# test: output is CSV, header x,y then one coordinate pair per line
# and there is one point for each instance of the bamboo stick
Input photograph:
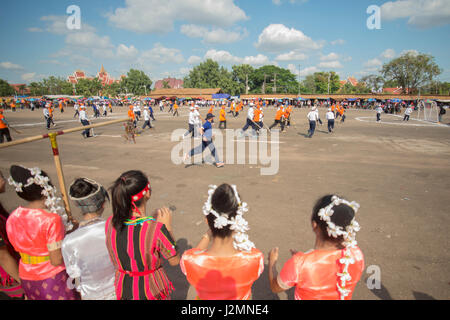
x,y
45,136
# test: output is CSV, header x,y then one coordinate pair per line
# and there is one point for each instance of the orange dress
x,y
222,278
314,274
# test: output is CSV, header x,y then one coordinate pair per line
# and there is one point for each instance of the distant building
x,y
351,80
398,90
21,88
102,75
171,82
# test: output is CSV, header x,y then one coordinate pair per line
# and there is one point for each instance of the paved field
x,y
398,172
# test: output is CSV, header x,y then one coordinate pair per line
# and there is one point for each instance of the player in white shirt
x,y
379,110
76,108
408,112
147,121
47,116
313,117
249,120
330,118
84,121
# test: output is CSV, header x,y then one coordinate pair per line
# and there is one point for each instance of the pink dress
x,y
35,232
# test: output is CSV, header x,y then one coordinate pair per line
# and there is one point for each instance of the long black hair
x,y
127,185
30,193
223,201
342,217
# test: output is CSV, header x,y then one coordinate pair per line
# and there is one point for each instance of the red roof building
x,y
102,75
172,83
21,88
351,80
395,90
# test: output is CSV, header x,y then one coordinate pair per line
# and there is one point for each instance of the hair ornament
x,y
349,235
52,202
237,223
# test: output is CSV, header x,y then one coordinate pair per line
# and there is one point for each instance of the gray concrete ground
x,y
398,172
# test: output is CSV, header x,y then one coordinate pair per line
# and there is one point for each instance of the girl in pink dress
x,y
37,235
332,270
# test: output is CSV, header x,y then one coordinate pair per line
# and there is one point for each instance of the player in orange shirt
x,y
4,130
279,118
50,111
175,109
257,118
223,118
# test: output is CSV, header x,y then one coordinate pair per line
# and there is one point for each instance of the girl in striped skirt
x,y
137,242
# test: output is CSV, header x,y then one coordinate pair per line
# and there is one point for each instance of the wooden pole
x,y
40,137
59,170
60,173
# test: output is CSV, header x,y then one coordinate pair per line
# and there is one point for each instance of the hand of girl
x,y
164,216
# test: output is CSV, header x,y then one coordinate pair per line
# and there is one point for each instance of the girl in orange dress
x,y
332,270
225,263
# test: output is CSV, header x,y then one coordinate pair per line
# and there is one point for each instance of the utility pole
x,y
329,75
275,84
246,84
298,80
264,85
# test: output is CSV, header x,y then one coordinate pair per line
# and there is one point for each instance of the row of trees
x,y
413,72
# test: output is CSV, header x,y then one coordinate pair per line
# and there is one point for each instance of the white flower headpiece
x,y
237,223
349,235
52,202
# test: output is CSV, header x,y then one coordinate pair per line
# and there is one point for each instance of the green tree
x,y
165,85
88,88
137,82
209,74
373,82
242,75
272,79
205,75
411,71
5,89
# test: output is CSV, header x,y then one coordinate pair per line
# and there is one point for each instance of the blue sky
x,y
169,37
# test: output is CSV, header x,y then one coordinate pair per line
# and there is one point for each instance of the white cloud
x,y
330,65
225,57
410,51
330,57
373,63
160,55
278,38
338,42
303,72
127,53
194,60
28,76
10,66
388,54
291,56
155,16
420,13
215,35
